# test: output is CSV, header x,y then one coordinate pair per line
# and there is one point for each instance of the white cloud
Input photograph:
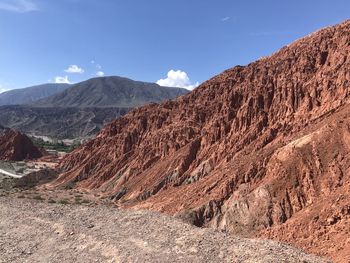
x,y
98,66
224,19
177,79
2,89
18,6
64,79
100,73
74,69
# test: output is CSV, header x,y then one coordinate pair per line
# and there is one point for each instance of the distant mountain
x,y
82,109
110,92
30,94
58,122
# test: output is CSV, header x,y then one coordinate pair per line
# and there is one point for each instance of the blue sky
x,y
60,40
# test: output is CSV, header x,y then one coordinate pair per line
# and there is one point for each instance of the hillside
x,y
111,92
30,94
15,146
58,122
254,148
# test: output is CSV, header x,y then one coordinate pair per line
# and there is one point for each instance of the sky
x,y
174,43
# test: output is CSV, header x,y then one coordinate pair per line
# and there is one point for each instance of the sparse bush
x,y
38,197
63,201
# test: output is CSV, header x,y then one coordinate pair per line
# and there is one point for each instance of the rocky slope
x,y
30,94
15,146
110,92
254,148
75,233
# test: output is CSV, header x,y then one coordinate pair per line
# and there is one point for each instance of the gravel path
x,y
34,231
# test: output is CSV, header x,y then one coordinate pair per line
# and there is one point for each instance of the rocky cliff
x,y
15,146
249,151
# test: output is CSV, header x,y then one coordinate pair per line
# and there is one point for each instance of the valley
x,y
252,165
58,123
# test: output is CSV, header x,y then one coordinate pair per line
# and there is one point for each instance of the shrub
x,y
38,197
63,201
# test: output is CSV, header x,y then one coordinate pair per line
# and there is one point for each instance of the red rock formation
x,y
247,150
15,146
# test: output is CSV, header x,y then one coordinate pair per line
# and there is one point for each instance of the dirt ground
x,y
37,231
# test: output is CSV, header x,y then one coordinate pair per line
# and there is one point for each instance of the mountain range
x,y
110,92
30,94
258,150
79,110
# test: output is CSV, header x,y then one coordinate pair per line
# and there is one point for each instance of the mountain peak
x,y
112,91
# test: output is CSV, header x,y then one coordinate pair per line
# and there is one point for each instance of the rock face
x,y
15,146
256,150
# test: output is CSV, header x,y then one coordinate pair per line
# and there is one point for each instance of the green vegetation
x,y
63,201
80,201
38,197
56,145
